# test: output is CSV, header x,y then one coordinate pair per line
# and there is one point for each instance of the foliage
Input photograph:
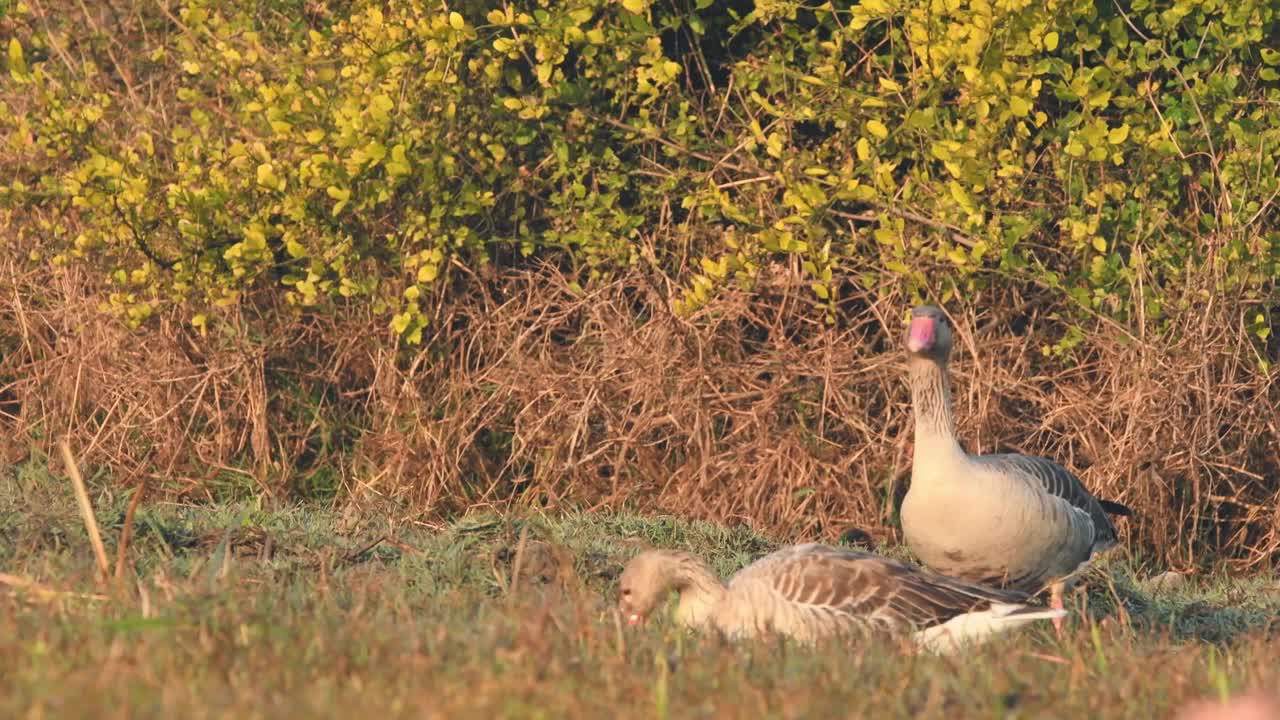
x,y
365,152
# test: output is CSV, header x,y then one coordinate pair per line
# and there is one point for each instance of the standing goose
x,y
811,591
1009,520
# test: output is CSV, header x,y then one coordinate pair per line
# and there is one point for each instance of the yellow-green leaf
x,y
878,129
635,6
863,149
1099,99
267,177
1099,244
1019,106
1118,135
398,164
342,195
456,22
17,63
1051,41
374,152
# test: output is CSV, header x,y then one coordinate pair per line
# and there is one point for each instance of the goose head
x,y
929,335
644,584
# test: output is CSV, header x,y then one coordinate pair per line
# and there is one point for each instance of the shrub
x,y
356,156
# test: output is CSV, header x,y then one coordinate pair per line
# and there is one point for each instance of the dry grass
x,y
536,393
235,611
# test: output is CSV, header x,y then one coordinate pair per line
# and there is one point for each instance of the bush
x,y
357,155
248,169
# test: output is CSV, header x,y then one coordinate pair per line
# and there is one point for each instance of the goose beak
x,y
920,334
634,619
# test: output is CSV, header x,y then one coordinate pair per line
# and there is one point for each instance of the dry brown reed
x,y
754,410
86,510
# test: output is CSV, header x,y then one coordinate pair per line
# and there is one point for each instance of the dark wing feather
x,y
1111,507
1060,482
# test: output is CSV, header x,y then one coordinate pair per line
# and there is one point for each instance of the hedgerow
x,y
361,152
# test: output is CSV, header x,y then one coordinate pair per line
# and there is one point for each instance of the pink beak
x,y
920,335
634,619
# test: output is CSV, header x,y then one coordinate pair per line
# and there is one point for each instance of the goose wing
x,y
1061,483
868,589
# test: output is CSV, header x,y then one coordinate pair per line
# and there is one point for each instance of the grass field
x,y
240,611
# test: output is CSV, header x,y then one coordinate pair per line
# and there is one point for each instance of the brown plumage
x,y
811,591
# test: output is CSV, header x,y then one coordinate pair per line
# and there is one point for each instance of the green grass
x,y
240,611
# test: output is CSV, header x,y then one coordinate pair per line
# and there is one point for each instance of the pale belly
x,y
990,542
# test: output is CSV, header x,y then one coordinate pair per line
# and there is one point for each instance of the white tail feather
x,y
977,627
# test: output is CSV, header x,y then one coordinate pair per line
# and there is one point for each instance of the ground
x,y
238,610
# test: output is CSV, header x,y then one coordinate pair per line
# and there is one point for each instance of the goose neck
x,y
700,591
931,402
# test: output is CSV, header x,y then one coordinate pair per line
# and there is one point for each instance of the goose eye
x,y
626,592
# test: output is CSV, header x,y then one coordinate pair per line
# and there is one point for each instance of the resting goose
x,y
1009,520
811,591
